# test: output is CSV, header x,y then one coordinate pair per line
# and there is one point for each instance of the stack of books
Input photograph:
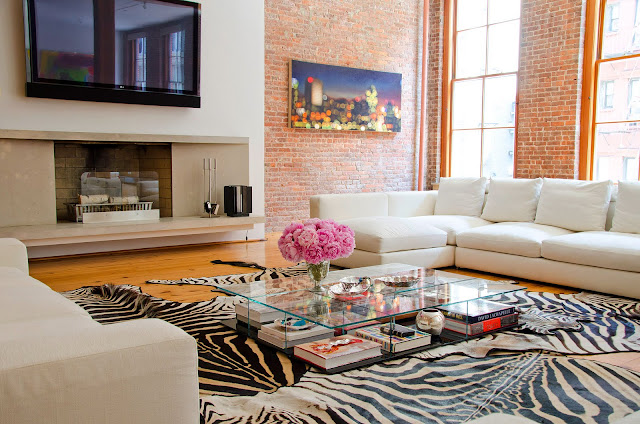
x,y
477,317
257,315
335,352
275,335
398,339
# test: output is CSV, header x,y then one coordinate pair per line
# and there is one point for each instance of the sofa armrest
x,y
131,372
349,205
13,253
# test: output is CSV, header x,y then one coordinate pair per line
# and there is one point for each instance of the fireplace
x,y
100,176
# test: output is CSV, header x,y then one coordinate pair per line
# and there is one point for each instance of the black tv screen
x,y
129,51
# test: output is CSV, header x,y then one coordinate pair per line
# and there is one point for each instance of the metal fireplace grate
x,y
77,210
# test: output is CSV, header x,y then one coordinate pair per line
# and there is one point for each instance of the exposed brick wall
x,y
549,88
372,34
434,91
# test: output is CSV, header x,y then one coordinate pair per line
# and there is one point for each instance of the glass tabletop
x,y
418,288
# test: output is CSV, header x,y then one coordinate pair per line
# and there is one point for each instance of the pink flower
x,y
292,227
312,221
347,244
332,250
291,252
285,238
307,237
313,254
296,233
324,237
316,240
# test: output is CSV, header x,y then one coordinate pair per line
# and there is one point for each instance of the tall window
x,y
480,132
176,60
616,120
140,62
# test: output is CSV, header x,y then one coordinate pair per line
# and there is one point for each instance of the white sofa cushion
x,y
45,327
451,224
390,234
460,196
34,302
603,249
412,203
346,206
512,200
515,238
627,216
573,204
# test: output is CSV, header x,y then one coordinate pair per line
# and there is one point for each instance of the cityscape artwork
x,y
327,97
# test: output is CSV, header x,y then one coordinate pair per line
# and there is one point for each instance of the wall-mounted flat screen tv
x,y
122,51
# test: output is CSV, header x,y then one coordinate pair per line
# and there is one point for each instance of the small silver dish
x,y
350,286
399,281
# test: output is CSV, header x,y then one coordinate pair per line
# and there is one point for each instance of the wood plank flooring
x,y
136,267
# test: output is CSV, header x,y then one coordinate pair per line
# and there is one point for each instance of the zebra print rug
x,y
267,273
543,387
242,381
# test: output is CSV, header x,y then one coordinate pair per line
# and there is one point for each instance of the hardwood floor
x,y
136,267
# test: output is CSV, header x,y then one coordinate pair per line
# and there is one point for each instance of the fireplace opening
x,y
111,177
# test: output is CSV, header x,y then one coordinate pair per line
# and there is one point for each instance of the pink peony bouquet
x,y
316,240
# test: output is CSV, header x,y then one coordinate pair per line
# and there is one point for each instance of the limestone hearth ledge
x,y
69,233
118,137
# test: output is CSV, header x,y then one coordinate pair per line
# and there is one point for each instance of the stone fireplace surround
x,y
29,209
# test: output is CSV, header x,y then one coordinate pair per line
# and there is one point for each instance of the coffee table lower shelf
x,y
446,338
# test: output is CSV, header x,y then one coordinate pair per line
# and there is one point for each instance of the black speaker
x,y
237,200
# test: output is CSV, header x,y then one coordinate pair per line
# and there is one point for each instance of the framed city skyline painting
x,y
327,97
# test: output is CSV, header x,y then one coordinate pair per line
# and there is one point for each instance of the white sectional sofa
x,y
575,233
57,365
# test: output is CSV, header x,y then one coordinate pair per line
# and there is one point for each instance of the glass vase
x,y
317,273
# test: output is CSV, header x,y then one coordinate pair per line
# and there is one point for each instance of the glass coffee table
x,y
397,292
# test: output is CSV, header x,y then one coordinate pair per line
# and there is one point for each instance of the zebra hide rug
x,y
242,381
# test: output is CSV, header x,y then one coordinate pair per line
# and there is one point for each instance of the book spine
x,y
367,336
484,326
478,318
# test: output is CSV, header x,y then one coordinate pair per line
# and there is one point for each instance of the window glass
x,y
500,101
621,32
471,53
634,99
467,104
503,10
504,46
471,14
616,151
497,153
465,153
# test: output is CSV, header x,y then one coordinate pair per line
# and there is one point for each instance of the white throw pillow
x,y
626,218
573,204
460,196
512,200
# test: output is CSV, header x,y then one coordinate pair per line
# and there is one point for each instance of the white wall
x,y
231,86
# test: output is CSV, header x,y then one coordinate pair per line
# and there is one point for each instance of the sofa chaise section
x,y
388,228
